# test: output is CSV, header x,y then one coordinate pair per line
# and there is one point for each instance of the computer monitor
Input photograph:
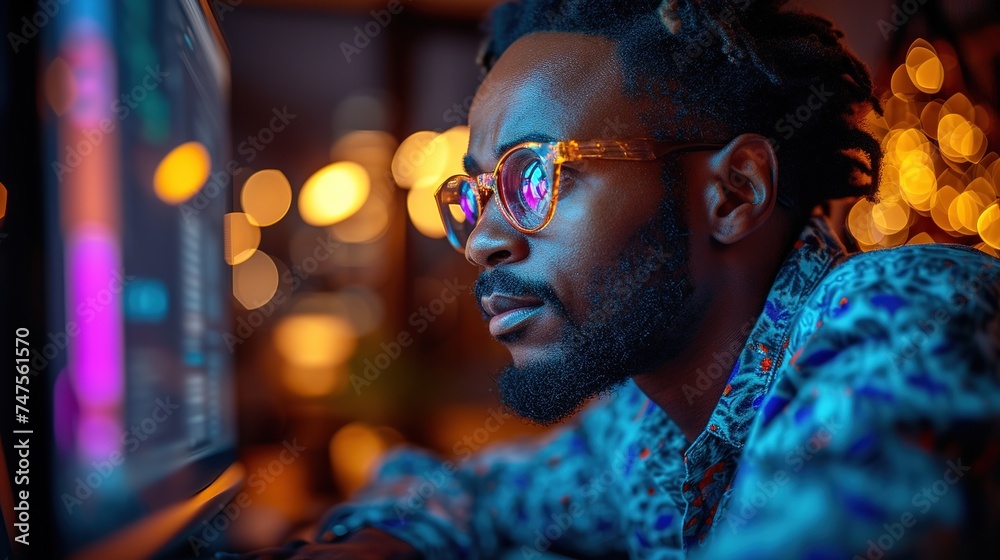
x,y
133,104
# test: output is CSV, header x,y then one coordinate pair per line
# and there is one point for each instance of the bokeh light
x,y
938,175
255,281
3,201
368,224
422,208
373,149
266,197
182,173
334,193
241,236
313,382
988,226
418,158
354,451
361,306
315,340
924,69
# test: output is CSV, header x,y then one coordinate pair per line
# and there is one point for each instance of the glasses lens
x,y
459,209
526,187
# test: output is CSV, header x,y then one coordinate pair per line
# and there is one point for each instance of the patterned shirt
x,y
860,420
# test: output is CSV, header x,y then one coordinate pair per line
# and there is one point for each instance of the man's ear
x,y
743,188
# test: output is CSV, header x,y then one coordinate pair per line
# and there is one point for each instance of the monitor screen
x,y
136,136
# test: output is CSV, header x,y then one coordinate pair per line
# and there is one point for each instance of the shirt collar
x,y
816,250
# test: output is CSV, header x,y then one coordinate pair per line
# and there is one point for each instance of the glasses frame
x,y
552,155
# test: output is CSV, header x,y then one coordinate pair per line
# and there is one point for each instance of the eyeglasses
x,y
526,182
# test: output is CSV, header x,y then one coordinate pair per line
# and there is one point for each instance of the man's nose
x,y
494,241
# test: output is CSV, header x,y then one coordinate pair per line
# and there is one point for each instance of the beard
x,y
640,315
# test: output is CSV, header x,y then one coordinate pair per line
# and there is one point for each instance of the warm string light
x,y
938,173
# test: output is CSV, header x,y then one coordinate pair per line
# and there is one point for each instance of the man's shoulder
x,y
915,279
920,304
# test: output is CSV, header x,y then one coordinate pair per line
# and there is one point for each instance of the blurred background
x,y
351,327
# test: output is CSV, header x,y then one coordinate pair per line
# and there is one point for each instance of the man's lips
x,y
508,313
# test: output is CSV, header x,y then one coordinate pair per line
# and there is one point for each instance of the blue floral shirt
x,y
861,420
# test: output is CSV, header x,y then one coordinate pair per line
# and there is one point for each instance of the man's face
x,y
602,292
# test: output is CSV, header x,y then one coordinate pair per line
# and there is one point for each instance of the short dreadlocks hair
x,y
730,67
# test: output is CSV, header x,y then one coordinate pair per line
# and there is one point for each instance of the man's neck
x,y
688,386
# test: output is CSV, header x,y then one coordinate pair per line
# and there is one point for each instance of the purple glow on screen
x,y
95,284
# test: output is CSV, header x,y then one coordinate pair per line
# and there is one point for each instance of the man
x,y
761,394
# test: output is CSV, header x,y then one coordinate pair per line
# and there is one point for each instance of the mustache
x,y
503,281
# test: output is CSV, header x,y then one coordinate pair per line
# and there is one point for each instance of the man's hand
x,y
366,544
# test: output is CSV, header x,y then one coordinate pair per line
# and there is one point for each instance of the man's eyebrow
x,y
472,167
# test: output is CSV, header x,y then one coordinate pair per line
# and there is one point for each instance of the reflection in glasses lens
x,y
467,201
534,187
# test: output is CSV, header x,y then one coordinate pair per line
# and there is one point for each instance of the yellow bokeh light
x,y
315,340
860,224
266,197
182,173
901,83
920,239
368,224
334,193
308,382
241,236
354,451
964,212
424,214
930,117
895,239
255,281
940,205
959,104
418,157
900,112
960,140
370,148
890,218
983,188
988,226
917,182
924,69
